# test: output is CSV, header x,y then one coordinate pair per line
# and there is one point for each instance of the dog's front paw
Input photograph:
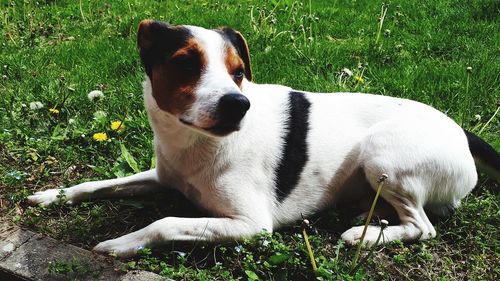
x,y
46,197
119,247
353,235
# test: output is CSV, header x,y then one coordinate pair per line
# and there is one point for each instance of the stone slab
x,y
11,240
25,255
140,275
34,258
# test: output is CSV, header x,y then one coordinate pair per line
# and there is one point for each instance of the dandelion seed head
x,y
347,71
95,95
384,223
36,105
99,114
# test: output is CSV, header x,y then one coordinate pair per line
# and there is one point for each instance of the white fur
x,y
424,153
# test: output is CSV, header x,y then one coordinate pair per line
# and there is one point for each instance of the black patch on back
x,y
295,154
482,150
165,41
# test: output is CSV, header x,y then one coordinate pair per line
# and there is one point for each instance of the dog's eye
x,y
238,75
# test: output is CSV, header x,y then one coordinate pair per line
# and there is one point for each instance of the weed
x,y
381,182
73,270
381,19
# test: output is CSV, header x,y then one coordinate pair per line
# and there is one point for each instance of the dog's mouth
x,y
220,129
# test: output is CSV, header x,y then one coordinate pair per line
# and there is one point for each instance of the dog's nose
x,y
232,107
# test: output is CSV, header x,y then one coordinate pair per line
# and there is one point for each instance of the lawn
x,y
53,53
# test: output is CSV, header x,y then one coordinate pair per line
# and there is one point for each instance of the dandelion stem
x,y
369,253
81,12
467,84
65,97
464,113
381,181
122,120
308,246
360,79
489,121
383,12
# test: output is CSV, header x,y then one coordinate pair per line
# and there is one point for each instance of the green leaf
x,y
129,158
99,170
251,275
278,258
58,134
132,264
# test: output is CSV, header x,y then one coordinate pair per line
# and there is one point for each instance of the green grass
x,y
56,52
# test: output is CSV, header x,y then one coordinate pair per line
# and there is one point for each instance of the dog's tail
x,y
485,156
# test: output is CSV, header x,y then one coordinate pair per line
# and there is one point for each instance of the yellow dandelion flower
x,y
117,126
359,79
54,110
100,137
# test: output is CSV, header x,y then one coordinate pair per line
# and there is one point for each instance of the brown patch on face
x,y
239,43
234,65
173,82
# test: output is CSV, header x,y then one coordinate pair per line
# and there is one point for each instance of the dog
x,y
257,157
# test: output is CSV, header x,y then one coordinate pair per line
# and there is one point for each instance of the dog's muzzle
x,y
230,111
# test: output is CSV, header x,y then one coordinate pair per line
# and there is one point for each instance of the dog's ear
x,y
157,40
240,44
146,33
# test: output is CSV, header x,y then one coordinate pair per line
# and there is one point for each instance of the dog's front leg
x,y
183,229
140,183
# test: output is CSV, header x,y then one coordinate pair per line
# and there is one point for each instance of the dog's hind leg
x,y
137,184
419,170
427,161
414,224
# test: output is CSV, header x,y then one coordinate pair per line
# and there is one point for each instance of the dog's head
x,y
197,74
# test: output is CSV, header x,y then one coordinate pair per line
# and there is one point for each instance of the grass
x,y
56,52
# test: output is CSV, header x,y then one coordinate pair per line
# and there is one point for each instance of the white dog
x,y
259,156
